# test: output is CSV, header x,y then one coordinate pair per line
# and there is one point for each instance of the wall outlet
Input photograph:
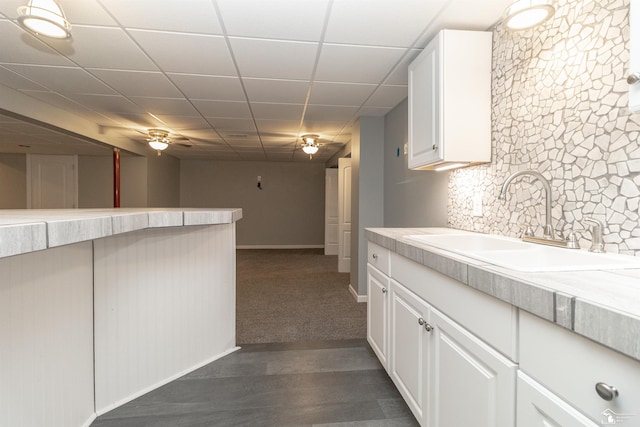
x,y
477,205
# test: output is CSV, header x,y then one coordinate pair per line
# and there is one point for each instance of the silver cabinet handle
x,y
427,327
384,290
374,256
606,391
633,78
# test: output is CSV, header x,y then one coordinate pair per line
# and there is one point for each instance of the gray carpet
x,y
294,295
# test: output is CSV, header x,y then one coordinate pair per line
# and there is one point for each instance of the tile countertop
x,y
603,306
28,230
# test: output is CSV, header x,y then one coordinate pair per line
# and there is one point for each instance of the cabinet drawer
x,y
570,366
491,320
378,257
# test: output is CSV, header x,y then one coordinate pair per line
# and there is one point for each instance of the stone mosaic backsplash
x,y
559,96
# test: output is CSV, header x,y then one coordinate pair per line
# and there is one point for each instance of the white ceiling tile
x,y
103,47
328,113
242,125
231,109
282,19
209,87
86,12
277,111
186,53
356,64
400,74
183,123
466,15
388,96
268,127
381,22
138,83
165,106
190,16
16,81
20,47
274,59
107,103
62,79
281,91
324,93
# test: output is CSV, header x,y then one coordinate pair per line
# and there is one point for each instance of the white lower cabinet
x,y
447,376
538,407
377,313
471,384
409,347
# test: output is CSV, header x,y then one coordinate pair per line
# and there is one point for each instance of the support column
x,y
116,178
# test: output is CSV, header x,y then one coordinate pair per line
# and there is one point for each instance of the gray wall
x,y
412,198
367,195
288,211
133,182
163,181
13,181
95,181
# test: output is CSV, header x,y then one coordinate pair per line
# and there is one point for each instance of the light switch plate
x,y
477,205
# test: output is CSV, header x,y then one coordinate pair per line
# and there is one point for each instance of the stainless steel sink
x,y
516,255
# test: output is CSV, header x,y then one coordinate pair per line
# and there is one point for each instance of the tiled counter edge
x,y
604,324
24,231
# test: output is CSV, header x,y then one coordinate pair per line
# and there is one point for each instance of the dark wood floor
x,y
333,383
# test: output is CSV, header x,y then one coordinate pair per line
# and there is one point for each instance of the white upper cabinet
x,y
450,101
634,58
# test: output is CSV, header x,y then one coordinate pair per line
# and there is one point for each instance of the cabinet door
x,y
538,407
408,354
471,384
424,107
377,313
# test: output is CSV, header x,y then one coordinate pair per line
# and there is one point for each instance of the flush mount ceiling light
x,y
158,140
46,18
523,14
310,144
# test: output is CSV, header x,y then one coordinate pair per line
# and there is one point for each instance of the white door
x,y
377,313
408,349
344,215
471,384
331,212
52,181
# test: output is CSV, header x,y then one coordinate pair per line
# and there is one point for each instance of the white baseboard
x,y
279,246
358,298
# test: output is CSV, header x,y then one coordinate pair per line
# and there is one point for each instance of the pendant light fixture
x,y
45,18
310,144
158,140
523,14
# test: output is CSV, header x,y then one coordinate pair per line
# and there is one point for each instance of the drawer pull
x,y
606,391
374,256
384,290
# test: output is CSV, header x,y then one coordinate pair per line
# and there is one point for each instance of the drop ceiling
x,y
229,79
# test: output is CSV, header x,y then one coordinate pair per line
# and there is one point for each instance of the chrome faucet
x,y
548,228
597,238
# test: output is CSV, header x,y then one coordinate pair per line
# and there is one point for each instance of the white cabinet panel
x,y
378,313
538,407
164,305
46,338
408,354
471,383
450,101
570,366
